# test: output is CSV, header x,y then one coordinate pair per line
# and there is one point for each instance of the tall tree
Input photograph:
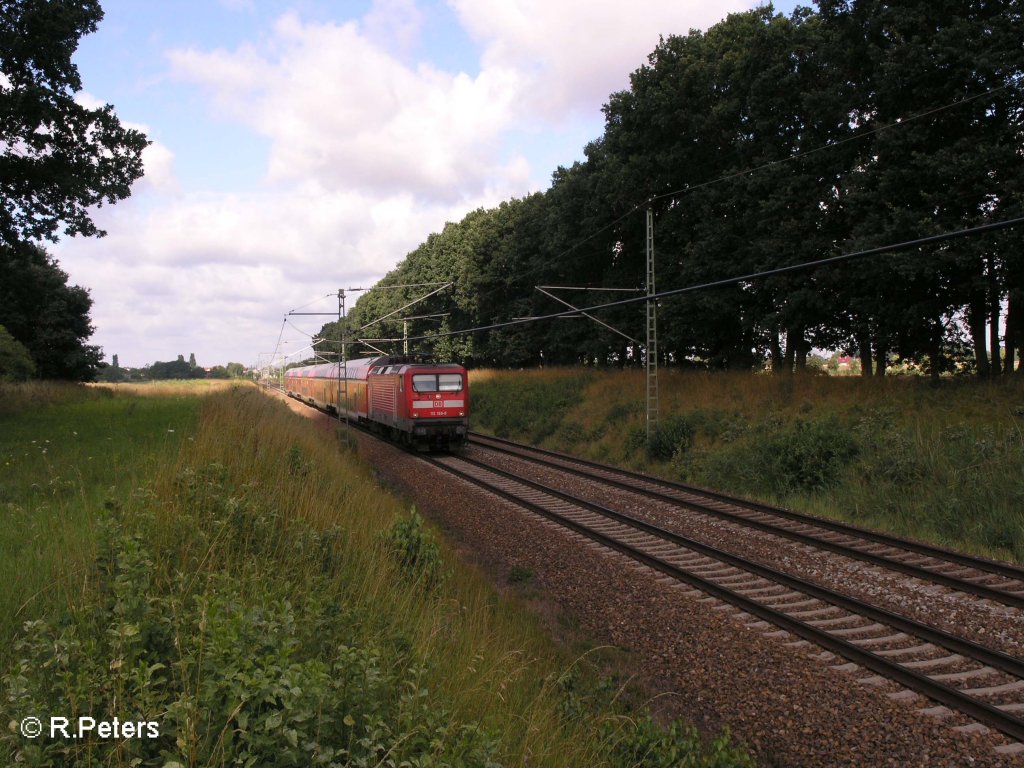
x,y
15,361
59,157
708,128
48,316
940,83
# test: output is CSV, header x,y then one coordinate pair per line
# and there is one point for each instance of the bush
x,y
671,436
810,455
415,549
236,674
806,455
530,407
16,362
646,743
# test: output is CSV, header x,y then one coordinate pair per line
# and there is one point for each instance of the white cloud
x,y
394,25
340,109
87,100
221,269
577,53
158,162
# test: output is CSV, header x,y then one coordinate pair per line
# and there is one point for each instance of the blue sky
x,y
302,146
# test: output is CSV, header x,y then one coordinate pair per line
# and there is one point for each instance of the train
x,y
420,404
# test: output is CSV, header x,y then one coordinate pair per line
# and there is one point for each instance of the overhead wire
x,y
314,301
801,155
899,122
304,333
892,248
280,335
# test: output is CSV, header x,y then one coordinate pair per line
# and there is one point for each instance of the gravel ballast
x,y
695,657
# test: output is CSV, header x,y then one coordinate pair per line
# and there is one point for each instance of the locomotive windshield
x,y
437,382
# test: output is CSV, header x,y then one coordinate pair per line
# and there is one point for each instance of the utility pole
x,y
652,333
405,327
344,357
342,388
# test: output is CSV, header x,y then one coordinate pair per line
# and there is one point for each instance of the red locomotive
x,y
414,403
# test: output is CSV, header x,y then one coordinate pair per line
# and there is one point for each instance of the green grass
x,y
66,451
944,464
530,404
244,583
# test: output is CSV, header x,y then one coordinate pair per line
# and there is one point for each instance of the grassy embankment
x,y
943,464
218,567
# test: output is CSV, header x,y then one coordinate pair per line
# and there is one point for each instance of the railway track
x,y
992,580
951,672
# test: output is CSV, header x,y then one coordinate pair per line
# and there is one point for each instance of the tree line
x,y
58,159
171,369
763,142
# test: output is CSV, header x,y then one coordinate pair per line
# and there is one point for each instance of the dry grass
x,y
491,663
945,463
172,387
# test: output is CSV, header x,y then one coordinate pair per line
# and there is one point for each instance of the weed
x,y
228,677
620,412
531,407
672,435
346,439
644,742
415,549
519,574
297,465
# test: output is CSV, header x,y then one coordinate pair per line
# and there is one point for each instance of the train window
x,y
424,382
449,382
433,382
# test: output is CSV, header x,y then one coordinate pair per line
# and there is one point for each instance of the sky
x,y
302,146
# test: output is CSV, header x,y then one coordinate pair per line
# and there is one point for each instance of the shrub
x,y
645,743
236,674
806,455
529,407
809,455
415,549
670,436
519,574
16,362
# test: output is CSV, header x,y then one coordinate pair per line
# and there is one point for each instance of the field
x,y
203,562
942,463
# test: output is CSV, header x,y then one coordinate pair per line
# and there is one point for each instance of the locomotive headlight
x,y
415,415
